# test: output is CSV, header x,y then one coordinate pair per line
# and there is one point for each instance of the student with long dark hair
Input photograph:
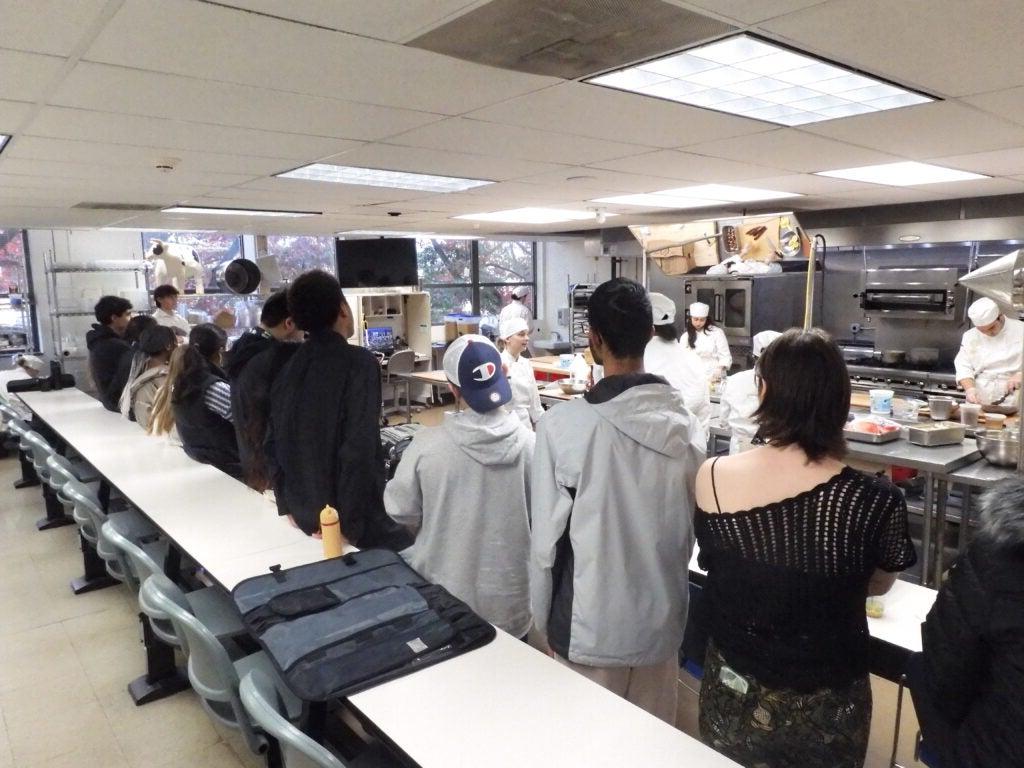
x,y
198,401
148,372
708,341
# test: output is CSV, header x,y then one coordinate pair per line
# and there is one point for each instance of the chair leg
x,y
899,717
56,515
29,477
95,574
162,678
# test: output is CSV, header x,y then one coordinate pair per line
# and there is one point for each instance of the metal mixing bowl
x,y
998,447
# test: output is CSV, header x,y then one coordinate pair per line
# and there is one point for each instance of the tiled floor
x,y
65,661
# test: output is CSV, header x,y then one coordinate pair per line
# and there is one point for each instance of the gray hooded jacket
x,y
613,485
465,486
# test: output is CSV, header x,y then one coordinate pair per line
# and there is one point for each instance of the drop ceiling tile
x,y
12,114
914,41
26,76
395,20
1000,162
793,151
927,130
753,11
1008,104
29,217
975,187
106,88
168,134
459,134
589,110
600,180
891,195
103,173
302,191
806,184
685,165
209,38
47,26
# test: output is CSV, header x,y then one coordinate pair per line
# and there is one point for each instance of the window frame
x,y
475,285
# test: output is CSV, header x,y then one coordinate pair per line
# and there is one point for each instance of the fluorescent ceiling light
x,y
374,177
906,174
740,73
238,211
700,196
4,138
152,229
533,216
657,200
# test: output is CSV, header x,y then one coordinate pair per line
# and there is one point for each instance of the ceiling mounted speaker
x,y
1002,281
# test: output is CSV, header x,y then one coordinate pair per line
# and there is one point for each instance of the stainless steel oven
x,y
744,306
912,294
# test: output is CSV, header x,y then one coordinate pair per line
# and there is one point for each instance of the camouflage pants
x,y
780,728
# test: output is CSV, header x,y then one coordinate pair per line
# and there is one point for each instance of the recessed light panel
x,y
905,174
532,216
700,196
747,76
658,200
238,212
4,138
374,177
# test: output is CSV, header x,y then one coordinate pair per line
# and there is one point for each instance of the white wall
x,y
560,263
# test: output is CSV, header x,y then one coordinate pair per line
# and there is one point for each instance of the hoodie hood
x,y
492,439
646,409
249,344
97,334
148,375
1002,513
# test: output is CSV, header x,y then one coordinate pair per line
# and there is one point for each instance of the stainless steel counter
x,y
939,460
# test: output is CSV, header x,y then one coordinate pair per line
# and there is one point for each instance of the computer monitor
x,y
380,339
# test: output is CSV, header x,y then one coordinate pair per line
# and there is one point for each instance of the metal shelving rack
x,y
578,296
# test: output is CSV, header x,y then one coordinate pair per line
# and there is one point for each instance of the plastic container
x,y
874,607
579,371
969,413
906,408
881,401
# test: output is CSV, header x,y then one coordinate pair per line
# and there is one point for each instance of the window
x,y
474,276
213,249
296,254
16,325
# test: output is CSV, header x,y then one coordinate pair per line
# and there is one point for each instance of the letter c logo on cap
x,y
485,371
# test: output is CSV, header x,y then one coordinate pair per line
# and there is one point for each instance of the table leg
x,y
408,401
965,518
926,531
940,530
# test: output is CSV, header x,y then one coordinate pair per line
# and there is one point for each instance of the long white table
x,y
504,704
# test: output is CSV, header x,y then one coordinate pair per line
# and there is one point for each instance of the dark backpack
x,y
395,440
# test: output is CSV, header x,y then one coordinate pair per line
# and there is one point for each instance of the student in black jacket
x,y
967,685
106,346
324,441
253,363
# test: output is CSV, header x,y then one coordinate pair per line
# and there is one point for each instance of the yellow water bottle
x,y
330,532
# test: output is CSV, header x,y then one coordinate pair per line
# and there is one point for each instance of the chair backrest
x,y
210,670
7,412
60,474
136,562
263,703
17,427
402,362
40,451
84,506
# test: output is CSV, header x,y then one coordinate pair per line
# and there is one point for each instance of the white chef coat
x,y
171,320
516,309
982,356
681,367
713,349
525,402
739,401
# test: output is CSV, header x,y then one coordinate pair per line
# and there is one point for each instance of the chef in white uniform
x,y
741,398
525,402
709,342
989,352
676,363
516,307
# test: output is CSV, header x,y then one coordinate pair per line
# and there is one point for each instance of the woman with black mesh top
x,y
794,542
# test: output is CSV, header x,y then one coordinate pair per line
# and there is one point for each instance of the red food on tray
x,y
872,427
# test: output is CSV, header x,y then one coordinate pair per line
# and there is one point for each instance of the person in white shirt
x,y
166,299
516,307
676,363
708,341
525,404
989,351
741,397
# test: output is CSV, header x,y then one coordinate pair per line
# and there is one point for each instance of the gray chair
x,y
39,451
214,676
400,363
265,704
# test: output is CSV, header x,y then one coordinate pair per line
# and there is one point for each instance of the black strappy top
x,y
787,581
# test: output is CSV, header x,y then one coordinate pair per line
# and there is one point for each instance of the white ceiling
x,y
97,92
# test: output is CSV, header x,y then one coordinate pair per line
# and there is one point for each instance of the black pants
x,y
938,731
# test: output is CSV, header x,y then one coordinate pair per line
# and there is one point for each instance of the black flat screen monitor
x,y
378,263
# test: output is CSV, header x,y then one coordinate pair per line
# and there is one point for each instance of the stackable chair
x,y
922,753
400,362
17,428
40,451
267,706
214,675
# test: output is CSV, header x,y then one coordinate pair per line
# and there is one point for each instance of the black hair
x,y
204,342
667,331
620,313
315,300
137,326
157,340
109,306
163,292
275,310
806,394
691,332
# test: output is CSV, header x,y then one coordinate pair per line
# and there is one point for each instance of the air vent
x,y
569,38
116,207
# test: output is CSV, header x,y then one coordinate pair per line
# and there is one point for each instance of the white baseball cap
x,y
663,309
763,340
699,309
511,326
473,364
983,312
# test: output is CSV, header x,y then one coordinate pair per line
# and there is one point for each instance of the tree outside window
x,y
296,254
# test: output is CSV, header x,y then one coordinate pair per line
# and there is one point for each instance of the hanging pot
x,y
241,276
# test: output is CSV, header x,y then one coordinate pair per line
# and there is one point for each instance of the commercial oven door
x,y
735,319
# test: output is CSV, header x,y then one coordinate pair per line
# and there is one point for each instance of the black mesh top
x,y
787,581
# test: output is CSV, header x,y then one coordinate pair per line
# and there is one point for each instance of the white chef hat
x,y
699,309
763,340
520,292
511,326
663,309
983,312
